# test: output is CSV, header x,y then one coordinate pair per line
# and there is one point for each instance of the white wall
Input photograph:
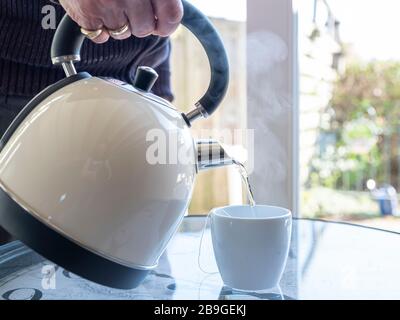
x,y
272,100
272,87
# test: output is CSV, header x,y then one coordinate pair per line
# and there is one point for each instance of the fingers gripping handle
x,y
68,41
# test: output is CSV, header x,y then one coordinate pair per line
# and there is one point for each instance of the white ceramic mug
x,y
251,245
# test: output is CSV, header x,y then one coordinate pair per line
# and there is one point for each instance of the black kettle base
x,y
64,252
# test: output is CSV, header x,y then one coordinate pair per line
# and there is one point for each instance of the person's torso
x,y
26,34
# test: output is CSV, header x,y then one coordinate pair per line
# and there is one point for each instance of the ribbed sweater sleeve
x,y
25,64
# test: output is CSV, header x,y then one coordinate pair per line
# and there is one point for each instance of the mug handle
x,y
68,40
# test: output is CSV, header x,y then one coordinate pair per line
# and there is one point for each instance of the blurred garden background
x,y
349,105
349,111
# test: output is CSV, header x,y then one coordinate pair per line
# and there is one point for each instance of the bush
x,y
364,121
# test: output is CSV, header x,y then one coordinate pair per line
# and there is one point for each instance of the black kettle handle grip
x,y
68,41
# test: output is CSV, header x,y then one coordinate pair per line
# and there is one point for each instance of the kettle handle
x,y
68,41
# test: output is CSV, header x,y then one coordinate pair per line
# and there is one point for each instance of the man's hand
x,y
144,17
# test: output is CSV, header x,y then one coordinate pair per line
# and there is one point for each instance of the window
x,y
191,74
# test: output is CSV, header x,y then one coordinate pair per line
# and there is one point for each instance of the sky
x,y
372,26
229,9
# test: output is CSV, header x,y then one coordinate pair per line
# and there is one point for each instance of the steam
x,y
267,55
269,103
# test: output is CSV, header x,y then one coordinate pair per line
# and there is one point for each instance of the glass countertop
x,y
327,260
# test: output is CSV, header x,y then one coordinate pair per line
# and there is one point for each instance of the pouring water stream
x,y
245,178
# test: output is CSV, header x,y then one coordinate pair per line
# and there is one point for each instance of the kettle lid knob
x,y
145,78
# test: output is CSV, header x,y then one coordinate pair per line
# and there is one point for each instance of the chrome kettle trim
x,y
211,155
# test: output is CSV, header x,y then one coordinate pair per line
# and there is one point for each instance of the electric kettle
x,y
77,183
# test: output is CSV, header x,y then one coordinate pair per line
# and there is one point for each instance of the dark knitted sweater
x,y
25,64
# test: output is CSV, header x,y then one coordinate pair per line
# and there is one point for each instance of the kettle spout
x,y
211,155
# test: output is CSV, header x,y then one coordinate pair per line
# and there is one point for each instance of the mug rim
x,y
285,212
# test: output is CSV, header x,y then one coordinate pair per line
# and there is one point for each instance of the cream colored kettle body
x,y
80,179
80,167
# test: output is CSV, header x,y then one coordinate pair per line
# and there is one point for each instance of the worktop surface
x,y
327,260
